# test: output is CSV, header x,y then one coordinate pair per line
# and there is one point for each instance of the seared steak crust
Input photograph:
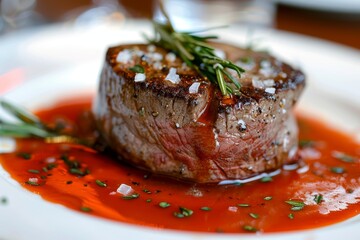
x,y
193,133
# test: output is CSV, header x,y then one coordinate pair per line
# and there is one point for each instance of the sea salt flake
x,y
270,90
34,180
257,83
172,76
157,66
194,88
124,56
140,77
50,160
170,57
269,83
242,124
155,56
125,189
233,209
151,48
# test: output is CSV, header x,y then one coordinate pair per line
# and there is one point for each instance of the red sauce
x,y
266,209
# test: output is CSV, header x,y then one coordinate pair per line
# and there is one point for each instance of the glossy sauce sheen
x,y
223,212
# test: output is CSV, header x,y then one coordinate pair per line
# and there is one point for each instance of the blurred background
x,y
335,20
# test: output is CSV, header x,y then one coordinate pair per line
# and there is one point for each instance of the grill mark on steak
x,y
160,126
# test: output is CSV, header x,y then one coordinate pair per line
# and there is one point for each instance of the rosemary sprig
x,y
198,54
31,126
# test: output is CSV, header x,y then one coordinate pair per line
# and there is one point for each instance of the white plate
x,y
60,61
344,6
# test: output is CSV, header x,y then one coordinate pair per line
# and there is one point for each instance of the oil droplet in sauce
x,y
325,192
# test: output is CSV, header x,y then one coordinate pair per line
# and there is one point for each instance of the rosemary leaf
x,y
20,113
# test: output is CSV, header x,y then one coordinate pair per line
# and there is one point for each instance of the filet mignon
x,y
172,121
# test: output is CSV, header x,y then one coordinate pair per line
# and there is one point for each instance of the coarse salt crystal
x,y
270,90
124,189
140,77
151,48
194,88
172,76
242,124
139,53
257,83
265,64
233,209
269,83
50,160
157,66
124,56
170,57
155,56
34,180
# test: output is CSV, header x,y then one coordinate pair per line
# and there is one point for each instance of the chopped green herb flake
x,y
205,208
186,212
100,183
179,215
142,111
33,171
164,204
132,196
149,200
268,198
254,215
266,179
296,208
147,191
3,200
137,69
85,209
51,166
343,157
43,177
306,143
337,170
291,216
45,169
76,171
24,155
318,198
249,228
296,205
243,205
32,183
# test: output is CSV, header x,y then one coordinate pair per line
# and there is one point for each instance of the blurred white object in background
x,y
199,14
99,11
17,14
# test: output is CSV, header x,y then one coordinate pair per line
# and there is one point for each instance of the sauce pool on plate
x,y
325,191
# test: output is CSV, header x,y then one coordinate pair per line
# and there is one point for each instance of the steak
x,y
172,121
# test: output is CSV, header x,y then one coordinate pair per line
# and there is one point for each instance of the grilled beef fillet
x,y
178,124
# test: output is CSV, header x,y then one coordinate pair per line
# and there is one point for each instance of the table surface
x,y
337,27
